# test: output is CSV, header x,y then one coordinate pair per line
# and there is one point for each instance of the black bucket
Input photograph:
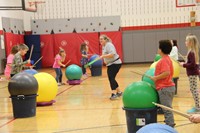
x,y
137,118
24,106
96,71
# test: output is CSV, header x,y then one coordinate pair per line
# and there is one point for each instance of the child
x,y
10,58
174,53
18,64
192,69
60,57
163,80
84,59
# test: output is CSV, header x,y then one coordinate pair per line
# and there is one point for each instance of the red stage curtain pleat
x,y
11,40
47,50
116,38
69,43
93,41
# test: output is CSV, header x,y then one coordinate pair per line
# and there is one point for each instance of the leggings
x,y
194,90
112,73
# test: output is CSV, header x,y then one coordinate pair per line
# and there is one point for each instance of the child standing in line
x,y
163,80
84,60
192,68
10,58
60,57
18,64
174,53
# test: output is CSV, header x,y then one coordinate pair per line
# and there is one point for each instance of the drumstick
x,y
90,63
170,109
37,61
31,52
181,56
175,60
68,62
139,73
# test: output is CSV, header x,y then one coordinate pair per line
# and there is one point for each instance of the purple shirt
x,y
191,67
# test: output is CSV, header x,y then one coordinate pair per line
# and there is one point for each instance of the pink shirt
x,y
9,62
165,64
57,58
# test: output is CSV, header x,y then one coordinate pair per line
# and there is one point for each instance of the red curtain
x,y
93,41
47,50
11,40
70,42
116,38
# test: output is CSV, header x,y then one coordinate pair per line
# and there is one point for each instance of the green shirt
x,y
18,63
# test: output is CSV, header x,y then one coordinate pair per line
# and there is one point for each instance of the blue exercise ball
x,y
73,72
31,71
156,128
97,63
32,62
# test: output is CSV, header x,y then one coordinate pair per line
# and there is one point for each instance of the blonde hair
x,y
61,51
194,47
23,47
106,38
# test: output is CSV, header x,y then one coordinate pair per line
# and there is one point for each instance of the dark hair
x,y
165,46
83,46
14,49
175,43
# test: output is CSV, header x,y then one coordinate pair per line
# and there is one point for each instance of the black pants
x,y
11,75
83,69
112,73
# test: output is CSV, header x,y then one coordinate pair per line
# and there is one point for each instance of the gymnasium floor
x,y
86,108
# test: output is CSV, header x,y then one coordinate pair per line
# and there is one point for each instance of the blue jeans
x,y
58,75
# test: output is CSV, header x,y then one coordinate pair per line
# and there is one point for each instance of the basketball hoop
x,y
30,5
198,2
35,3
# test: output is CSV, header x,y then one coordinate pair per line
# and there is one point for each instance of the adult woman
x,y
113,63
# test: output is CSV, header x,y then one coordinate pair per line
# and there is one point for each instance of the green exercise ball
x,y
139,95
145,77
157,57
73,72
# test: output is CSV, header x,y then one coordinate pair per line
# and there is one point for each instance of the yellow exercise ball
x,y
176,67
47,87
153,65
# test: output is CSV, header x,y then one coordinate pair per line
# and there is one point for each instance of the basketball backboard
x,y
29,5
187,3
